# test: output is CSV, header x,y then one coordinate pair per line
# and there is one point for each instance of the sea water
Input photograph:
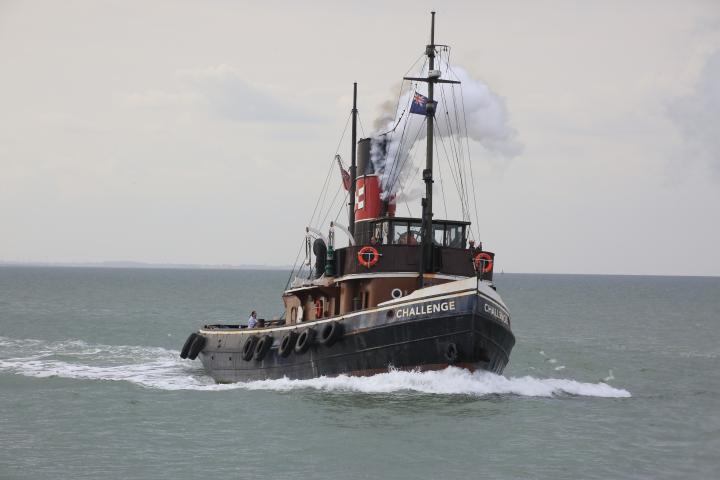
x,y
611,377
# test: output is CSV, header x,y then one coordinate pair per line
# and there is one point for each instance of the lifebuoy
x,y
483,261
368,256
330,333
396,293
318,308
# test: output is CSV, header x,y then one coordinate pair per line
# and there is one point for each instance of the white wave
x,y
152,367
451,381
159,368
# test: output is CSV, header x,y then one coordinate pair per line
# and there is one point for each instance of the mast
x,y
427,250
353,164
427,262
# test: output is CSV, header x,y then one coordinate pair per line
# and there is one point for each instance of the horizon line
x,y
201,266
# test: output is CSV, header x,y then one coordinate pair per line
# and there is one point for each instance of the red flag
x,y
344,173
346,178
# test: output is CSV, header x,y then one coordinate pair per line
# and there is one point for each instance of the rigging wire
x,y
394,175
327,177
408,156
448,68
361,124
325,190
467,142
468,159
397,105
461,160
442,187
344,203
456,156
472,175
317,203
457,182
392,172
330,206
456,150
297,257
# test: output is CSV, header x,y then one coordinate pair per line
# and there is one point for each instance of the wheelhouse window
x,y
415,235
400,234
438,234
406,231
455,236
381,233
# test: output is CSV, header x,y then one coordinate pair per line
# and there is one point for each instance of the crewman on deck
x,y
252,321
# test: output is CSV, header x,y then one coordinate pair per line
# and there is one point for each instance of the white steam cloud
x,y
470,110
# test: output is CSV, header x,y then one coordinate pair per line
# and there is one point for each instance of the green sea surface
x,y
611,377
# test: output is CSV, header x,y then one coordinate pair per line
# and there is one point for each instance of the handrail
x,y
344,229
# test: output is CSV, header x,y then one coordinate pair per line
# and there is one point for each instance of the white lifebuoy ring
x,y
396,293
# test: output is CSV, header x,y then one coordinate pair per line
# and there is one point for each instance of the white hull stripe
x,y
342,317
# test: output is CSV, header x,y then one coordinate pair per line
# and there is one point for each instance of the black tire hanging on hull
x,y
304,341
249,348
330,333
197,345
186,346
452,353
287,343
262,347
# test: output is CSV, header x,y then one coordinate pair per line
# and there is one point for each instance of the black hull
x,y
467,336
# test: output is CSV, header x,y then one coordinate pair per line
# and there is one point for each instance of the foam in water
x,y
159,368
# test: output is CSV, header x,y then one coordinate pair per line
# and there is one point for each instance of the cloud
x,y
161,99
223,91
696,115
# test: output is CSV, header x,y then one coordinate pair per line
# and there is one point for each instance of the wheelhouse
x,y
407,231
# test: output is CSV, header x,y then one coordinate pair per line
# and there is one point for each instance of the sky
x,y
202,132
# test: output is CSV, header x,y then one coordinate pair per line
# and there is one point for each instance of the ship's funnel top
x,y
364,164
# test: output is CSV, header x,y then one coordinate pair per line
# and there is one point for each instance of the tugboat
x,y
406,293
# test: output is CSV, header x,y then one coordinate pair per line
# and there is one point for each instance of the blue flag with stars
x,y
418,104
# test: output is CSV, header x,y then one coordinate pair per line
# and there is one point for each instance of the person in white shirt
x,y
252,321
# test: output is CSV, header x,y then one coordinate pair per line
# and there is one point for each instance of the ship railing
x,y
262,323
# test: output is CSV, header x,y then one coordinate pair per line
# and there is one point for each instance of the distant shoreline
x,y
189,266
143,265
